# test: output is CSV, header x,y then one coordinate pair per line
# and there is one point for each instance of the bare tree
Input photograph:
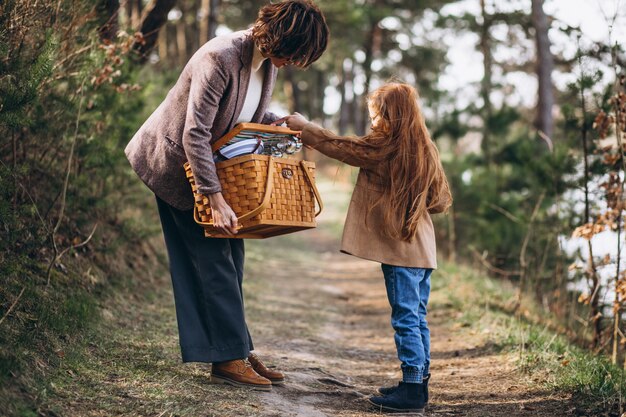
x,y
137,11
132,13
162,45
181,39
110,12
292,91
208,23
347,95
486,85
591,271
192,26
372,47
154,17
544,66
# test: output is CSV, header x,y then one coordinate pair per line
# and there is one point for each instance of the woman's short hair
x,y
292,29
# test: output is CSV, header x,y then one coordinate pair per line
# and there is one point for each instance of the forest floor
x,y
320,316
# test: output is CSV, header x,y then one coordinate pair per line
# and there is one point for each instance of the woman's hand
x,y
224,218
294,122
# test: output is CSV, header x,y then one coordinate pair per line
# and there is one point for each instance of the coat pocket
x,y
173,146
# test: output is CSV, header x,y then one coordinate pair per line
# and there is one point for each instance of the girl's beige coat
x,y
364,237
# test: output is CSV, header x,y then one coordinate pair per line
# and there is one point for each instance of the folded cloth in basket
x,y
242,147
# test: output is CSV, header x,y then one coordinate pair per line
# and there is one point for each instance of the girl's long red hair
x,y
413,178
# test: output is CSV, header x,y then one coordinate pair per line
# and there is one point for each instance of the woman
x,y
400,182
229,80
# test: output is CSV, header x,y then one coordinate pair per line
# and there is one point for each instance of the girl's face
x,y
374,115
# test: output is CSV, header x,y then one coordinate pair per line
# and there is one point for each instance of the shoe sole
x,y
277,381
227,381
404,411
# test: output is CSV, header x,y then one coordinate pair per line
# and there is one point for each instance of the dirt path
x,y
321,316
337,306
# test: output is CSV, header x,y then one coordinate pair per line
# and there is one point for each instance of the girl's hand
x,y
296,121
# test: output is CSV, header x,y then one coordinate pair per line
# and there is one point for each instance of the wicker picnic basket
x,y
271,196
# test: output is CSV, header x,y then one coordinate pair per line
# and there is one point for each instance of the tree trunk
x,y
347,96
544,66
181,41
292,91
172,49
162,45
154,17
318,94
188,27
134,12
486,83
372,50
213,14
451,236
139,10
208,19
110,13
193,27
591,267
359,121
127,7
203,33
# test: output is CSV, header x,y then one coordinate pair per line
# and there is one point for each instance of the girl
x,y
400,182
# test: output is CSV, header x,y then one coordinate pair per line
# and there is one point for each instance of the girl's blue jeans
x,y
408,290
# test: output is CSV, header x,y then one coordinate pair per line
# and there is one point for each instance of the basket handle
x,y
266,199
307,174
